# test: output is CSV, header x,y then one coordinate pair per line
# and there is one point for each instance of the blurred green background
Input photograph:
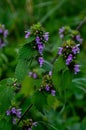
x,y
18,16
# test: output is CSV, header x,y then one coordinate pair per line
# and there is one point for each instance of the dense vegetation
x,y
43,65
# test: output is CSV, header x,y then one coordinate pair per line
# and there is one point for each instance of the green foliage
x,y
40,100
25,56
7,94
65,111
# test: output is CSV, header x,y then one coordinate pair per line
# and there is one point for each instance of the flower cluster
x,y
3,35
73,34
15,113
33,74
29,124
69,52
47,84
40,38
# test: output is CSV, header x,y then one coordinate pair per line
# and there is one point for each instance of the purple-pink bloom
x,y
79,39
69,59
47,88
53,92
46,36
60,50
76,68
13,110
27,34
41,61
76,49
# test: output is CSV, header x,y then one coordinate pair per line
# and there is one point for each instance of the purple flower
x,y
60,50
50,73
34,124
1,31
76,68
27,34
46,36
5,33
30,74
41,61
69,59
47,88
76,49
40,48
18,113
14,121
61,30
13,110
8,112
34,75
37,40
79,39
53,92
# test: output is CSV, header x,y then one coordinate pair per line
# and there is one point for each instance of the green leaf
x,y
47,66
29,40
6,95
40,100
21,70
59,65
26,52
